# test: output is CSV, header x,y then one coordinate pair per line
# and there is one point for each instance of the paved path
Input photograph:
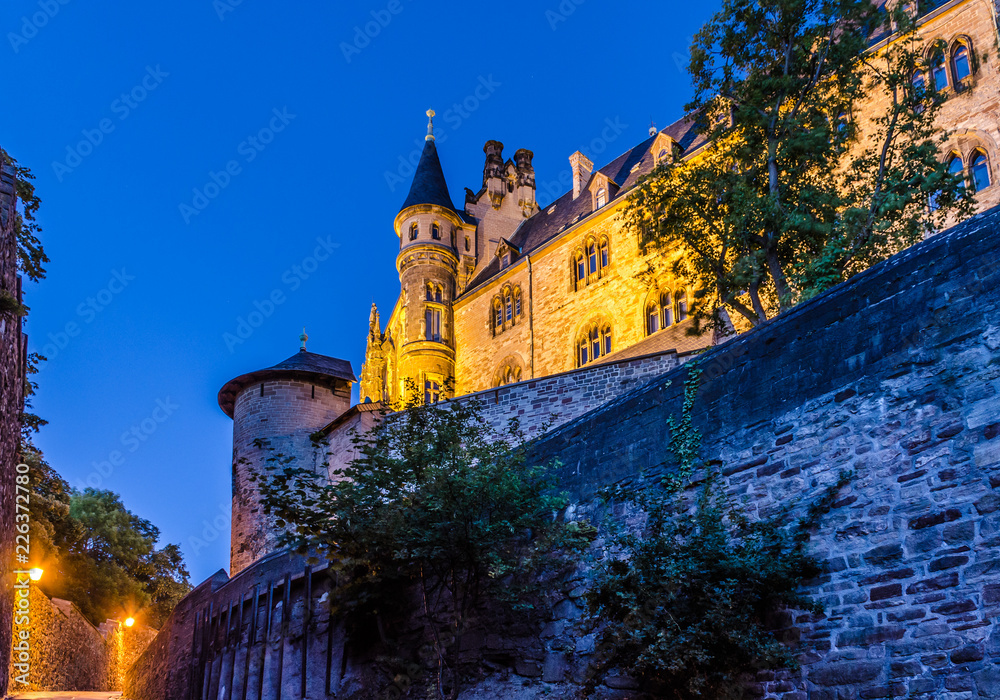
x,y
67,696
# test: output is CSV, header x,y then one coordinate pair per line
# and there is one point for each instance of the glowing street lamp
x,y
129,621
35,574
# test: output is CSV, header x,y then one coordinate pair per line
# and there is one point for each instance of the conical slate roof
x,y
302,365
428,185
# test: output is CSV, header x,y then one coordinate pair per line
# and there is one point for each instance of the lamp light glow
x,y
129,621
35,574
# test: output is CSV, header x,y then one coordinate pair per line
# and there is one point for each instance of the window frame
x,y
975,157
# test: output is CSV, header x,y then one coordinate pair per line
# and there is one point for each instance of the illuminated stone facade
x,y
528,292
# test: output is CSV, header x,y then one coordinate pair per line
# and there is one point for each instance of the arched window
x,y
661,157
497,316
435,232
517,302
592,257
980,171
432,325
919,91
955,165
430,292
682,305
594,342
939,71
652,318
602,197
605,253
581,268
668,309
438,293
414,230
508,306
960,63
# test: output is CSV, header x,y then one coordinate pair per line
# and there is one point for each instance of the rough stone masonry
x,y
11,403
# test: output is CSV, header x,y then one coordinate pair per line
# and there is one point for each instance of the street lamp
x,y
35,574
129,621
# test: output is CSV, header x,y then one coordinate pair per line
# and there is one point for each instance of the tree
x,y
794,191
687,604
439,507
98,554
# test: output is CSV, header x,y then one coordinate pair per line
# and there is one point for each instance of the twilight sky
x,y
198,160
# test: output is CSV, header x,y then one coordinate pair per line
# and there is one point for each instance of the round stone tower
x,y
274,412
428,227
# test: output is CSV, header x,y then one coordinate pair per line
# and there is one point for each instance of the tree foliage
x,y
821,155
98,554
687,604
440,511
31,255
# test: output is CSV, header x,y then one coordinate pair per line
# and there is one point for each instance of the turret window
x,y
432,325
414,230
468,244
435,232
432,391
434,292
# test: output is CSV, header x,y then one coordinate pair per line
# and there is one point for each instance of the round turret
x,y
274,412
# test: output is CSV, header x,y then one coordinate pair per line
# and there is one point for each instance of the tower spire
x,y
303,338
430,125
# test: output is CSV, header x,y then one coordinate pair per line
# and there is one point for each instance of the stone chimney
x,y
525,181
493,179
582,167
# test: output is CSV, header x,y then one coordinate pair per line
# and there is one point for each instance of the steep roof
x,y
302,365
428,186
625,171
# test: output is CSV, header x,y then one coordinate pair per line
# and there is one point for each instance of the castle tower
x,y
274,412
431,233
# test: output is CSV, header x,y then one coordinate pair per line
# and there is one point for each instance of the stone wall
x,y
11,403
893,375
66,652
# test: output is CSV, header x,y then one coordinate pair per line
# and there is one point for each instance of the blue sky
x,y
196,160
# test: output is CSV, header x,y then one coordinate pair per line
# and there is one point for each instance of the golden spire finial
x,y
430,125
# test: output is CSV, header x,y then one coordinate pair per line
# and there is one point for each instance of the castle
x,y
501,291
892,376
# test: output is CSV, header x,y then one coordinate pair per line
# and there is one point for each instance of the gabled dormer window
x,y
505,261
